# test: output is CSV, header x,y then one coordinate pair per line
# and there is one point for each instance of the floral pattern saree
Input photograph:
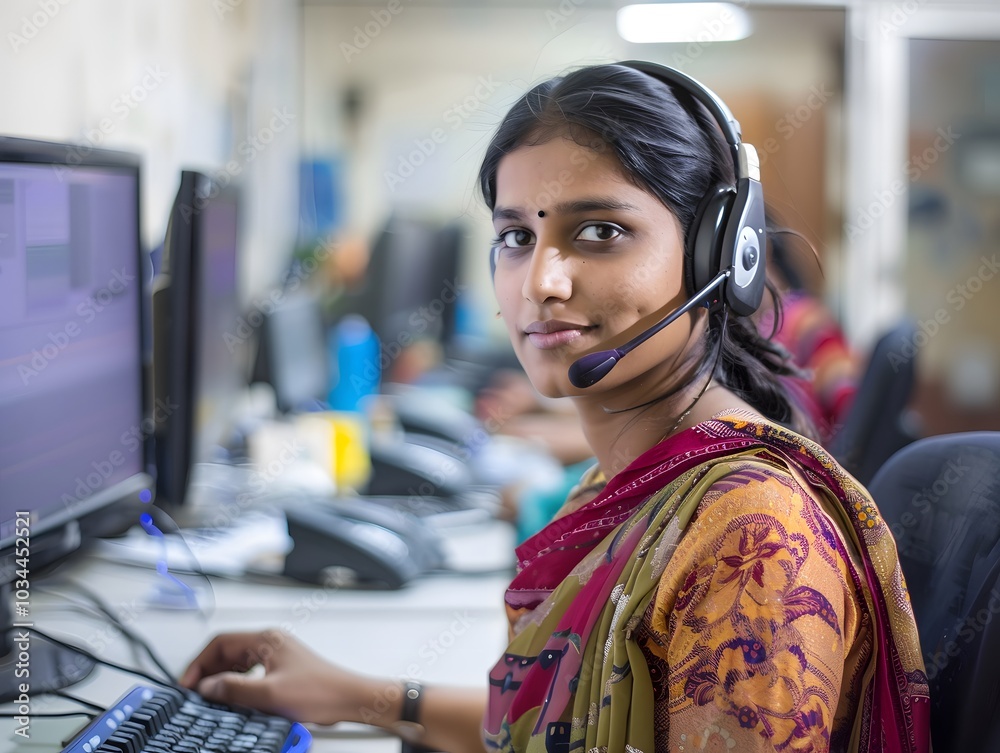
x,y
733,589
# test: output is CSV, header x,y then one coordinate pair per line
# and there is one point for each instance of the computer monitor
x,y
292,352
199,364
73,409
412,286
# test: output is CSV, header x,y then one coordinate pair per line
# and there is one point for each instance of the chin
x,y
547,380
554,390
546,386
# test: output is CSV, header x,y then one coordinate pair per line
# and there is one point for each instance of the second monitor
x,y
198,360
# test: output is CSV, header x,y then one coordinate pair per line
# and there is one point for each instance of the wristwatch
x,y
409,727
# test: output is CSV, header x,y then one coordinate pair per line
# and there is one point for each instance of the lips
x,y
554,333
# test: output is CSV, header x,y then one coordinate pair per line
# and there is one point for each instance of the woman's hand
x,y
300,685
296,683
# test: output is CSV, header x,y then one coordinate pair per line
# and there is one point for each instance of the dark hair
x,y
671,147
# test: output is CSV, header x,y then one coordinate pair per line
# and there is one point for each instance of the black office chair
x,y
875,426
941,499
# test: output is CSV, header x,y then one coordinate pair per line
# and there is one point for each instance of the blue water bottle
x,y
355,367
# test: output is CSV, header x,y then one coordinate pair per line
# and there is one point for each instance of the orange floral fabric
x,y
731,590
755,624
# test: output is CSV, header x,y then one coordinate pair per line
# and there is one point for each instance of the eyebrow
x,y
570,207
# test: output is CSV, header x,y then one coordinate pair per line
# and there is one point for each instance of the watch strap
x,y
409,726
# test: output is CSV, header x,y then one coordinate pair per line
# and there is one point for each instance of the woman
x,y
716,582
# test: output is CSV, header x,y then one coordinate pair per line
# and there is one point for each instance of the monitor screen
x,y
72,430
292,353
199,361
221,362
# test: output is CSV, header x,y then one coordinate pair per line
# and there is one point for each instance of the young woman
x,y
716,582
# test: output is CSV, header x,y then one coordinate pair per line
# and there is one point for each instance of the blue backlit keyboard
x,y
161,720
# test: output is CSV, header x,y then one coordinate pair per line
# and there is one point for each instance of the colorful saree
x,y
733,590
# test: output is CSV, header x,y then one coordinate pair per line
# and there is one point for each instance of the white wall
x,y
454,71
182,82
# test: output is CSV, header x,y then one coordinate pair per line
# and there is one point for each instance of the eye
x,y
517,238
599,231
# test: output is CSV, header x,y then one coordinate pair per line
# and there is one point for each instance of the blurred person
x,y
553,424
811,334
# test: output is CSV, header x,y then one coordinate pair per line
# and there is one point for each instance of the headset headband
x,y
730,126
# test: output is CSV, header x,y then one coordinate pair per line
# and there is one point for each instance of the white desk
x,y
447,628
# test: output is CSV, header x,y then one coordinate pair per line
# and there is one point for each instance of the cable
x,y
63,714
158,516
99,660
128,633
75,699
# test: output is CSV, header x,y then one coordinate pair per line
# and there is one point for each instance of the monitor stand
x,y
29,665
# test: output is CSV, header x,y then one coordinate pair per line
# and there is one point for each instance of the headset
x,y
725,246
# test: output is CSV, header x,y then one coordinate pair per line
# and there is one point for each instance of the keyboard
x,y
164,720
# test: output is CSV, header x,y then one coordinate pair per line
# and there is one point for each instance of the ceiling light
x,y
683,22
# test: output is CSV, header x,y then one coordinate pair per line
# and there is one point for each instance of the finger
x,y
238,689
229,652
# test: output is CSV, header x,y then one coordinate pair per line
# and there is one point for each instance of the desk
x,y
447,628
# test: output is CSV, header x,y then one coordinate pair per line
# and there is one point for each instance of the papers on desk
x,y
258,542
255,541
480,548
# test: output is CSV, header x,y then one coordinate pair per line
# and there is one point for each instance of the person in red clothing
x,y
810,333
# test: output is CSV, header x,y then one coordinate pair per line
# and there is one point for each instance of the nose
x,y
548,278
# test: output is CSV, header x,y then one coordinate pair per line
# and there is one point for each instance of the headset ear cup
x,y
745,243
704,247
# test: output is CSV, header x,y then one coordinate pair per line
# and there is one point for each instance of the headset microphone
x,y
592,368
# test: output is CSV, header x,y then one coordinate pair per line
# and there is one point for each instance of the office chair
x,y
940,497
874,427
